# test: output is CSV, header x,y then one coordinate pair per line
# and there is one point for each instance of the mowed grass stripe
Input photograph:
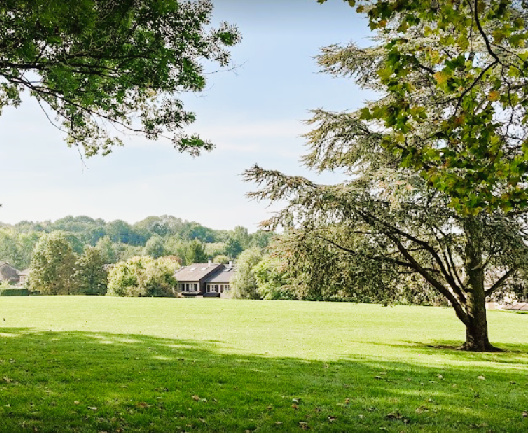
x,y
85,364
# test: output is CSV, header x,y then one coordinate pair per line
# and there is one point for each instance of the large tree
x,y
454,106
94,63
244,284
52,265
143,276
438,163
385,224
90,276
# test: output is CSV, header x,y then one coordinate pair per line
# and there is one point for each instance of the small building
x,y
23,276
218,284
204,279
9,273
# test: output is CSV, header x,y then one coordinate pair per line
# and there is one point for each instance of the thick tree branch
x,y
461,314
500,282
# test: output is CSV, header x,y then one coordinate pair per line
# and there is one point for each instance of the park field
x,y
100,364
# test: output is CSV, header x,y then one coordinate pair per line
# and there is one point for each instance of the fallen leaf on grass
x,y
422,409
92,408
440,377
397,416
525,414
332,418
270,407
195,398
482,378
294,406
278,423
304,425
7,379
76,402
142,405
361,416
204,421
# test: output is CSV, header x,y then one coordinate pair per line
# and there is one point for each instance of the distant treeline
x,y
118,240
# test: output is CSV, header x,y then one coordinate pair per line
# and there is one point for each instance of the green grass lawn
x,y
85,364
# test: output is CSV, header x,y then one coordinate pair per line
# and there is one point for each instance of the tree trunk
x,y
477,326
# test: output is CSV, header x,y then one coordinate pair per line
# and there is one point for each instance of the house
x,y
8,273
205,279
23,276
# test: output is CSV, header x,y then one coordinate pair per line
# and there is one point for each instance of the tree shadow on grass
x,y
101,382
507,351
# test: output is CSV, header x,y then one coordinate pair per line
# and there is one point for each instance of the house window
x,y
221,288
227,287
196,287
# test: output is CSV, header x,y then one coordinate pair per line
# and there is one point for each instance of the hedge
x,y
14,292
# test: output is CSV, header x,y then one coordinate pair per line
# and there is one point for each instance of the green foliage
x,y
272,279
195,253
107,250
100,62
214,249
52,266
233,248
90,277
365,238
455,105
119,241
244,283
221,259
155,247
16,248
143,276
7,290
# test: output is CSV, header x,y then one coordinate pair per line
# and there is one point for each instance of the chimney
x,y
210,262
230,263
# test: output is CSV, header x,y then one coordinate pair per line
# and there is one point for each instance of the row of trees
x,y
288,271
57,270
117,240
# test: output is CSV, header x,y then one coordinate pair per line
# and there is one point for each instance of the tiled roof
x,y
196,271
224,276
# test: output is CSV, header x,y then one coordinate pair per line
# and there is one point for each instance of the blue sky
x,y
253,114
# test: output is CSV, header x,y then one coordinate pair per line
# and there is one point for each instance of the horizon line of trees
x,y
117,240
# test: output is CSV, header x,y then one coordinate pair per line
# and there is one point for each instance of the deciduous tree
x,y
143,276
244,284
90,277
387,223
94,63
454,85
52,266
